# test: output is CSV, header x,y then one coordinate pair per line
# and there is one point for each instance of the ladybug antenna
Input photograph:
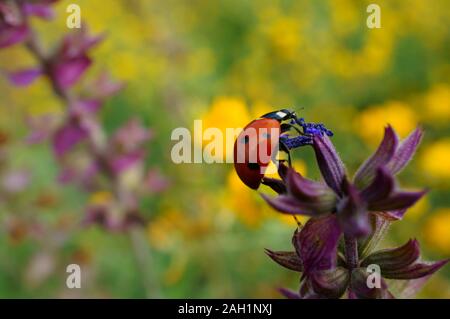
x,y
289,125
299,224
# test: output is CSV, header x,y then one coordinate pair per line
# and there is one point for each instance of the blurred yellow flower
x,y
437,230
101,198
260,108
226,112
160,229
125,66
418,209
284,36
243,201
369,123
437,104
434,160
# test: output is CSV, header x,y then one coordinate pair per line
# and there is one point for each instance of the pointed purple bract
x,y
381,187
287,259
394,258
330,164
305,189
396,201
289,205
386,150
405,151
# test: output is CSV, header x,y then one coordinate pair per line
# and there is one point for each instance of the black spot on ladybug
x,y
245,140
253,166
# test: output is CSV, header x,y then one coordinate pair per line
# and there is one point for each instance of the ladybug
x,y
249,170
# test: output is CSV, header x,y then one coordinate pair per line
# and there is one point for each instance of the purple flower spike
x,y
330,164
361,211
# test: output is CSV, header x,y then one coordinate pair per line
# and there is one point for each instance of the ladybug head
x,y
280,115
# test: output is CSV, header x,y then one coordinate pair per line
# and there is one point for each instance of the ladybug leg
x,y
285,149
287,126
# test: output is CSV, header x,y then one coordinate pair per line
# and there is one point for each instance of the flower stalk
x,y
110,157
348,216
351,251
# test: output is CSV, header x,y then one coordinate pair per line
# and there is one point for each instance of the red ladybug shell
x,y
252,173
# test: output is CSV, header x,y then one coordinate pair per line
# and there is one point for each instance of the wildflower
x,y
359,210
65,66
373,188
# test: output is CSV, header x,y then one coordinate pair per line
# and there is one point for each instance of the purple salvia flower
x,y
356,213
71,60
350,202
390,154
13,28
329,276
